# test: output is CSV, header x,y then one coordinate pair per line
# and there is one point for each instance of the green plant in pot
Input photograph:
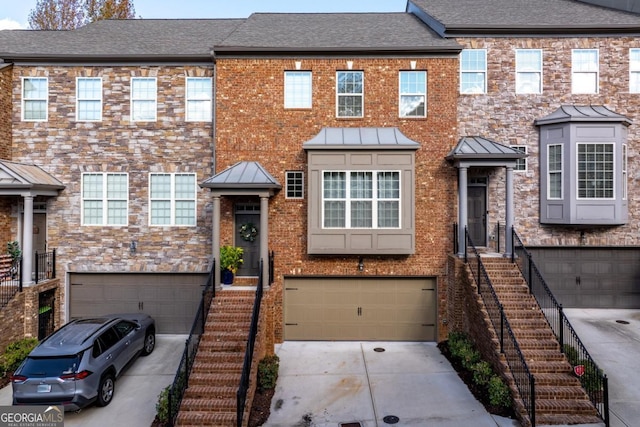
x,y
230,261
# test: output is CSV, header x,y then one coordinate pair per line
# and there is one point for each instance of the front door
x,y
477,214
248,238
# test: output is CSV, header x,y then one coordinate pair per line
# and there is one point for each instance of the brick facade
x,y
252,125
508,118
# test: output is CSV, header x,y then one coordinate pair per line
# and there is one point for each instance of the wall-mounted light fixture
x,y
360,264
133,246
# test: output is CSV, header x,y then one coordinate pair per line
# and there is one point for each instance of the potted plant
x,y
230,261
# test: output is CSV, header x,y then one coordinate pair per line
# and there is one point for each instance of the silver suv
x,y
79,363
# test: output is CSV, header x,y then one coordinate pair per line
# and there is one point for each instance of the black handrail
x,y
181,379
593,380
248,355
45,266
523,379
10,282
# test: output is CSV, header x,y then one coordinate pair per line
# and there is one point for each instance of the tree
x,y
70,14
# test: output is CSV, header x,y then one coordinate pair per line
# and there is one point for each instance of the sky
x,y
14,14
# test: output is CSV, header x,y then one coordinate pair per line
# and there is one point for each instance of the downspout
x,y
215,220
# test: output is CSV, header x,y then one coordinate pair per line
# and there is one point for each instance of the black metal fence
x,y
181,380
593,379
524,380
44,266
248,355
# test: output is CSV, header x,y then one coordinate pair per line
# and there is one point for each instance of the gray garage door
x,y
171,299
385,309
591,277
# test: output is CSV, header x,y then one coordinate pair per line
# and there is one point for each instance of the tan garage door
x,y
355,309
171,299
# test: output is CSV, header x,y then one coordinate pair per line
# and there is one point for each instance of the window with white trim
x,y
89,99
595,171
473,71
624,171
105,198
199,99
634,70
528,71
172,199
521,164
361,199
350,94
297,89
554,170
144,99
413,94
584,71
35,99
294,185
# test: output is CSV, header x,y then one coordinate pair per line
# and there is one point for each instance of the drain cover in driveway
x,y
391,419
350,425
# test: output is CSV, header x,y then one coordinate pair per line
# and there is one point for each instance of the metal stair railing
x,y
592,378
524,380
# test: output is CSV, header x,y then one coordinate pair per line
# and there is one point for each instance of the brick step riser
x,y
564,406
227,328
215,368
554,380
197,391
554,420
204,405
560,392
201,419
550,356
220,380
217,357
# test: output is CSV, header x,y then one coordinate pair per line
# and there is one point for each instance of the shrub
x,y
15,353
463,350
482,372
162,406
268,372
499,394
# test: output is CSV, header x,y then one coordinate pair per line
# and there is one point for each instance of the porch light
x,y
360,264
133,246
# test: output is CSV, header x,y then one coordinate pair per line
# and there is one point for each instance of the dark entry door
x,y
250,242
477,214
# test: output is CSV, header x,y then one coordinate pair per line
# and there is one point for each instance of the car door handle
x,y
109,356
127,343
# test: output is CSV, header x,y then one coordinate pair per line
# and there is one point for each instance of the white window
x,y
521,164
584,71
624,171
528,71
634,70
554,168
295,185
297,89
89,99
172,199
413,93
595,171
35,99
144,97
350,94
473,71
199,94
105,198
367,199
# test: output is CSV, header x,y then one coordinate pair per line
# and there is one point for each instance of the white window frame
x,y
582,70
105,199
349,94
298,89
294,185
81,100
198,99
624,172
36,99
612,188
634,70
551,172
173,199
139,98
468,67
521,164
526,67
412,89
374,199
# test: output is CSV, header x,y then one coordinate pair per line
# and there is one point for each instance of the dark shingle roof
x,y
135,38
333,32
460,17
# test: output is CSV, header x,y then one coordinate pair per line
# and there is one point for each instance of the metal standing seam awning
x,y
476,151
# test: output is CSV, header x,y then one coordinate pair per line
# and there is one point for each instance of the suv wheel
x,y
149,342
106,390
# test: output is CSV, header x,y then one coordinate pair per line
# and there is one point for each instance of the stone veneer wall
x,y
5,113
253,125
508,118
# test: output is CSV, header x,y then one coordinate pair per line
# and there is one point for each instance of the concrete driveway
x,y
137,390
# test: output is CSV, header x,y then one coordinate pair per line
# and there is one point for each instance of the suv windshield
x,y
50,366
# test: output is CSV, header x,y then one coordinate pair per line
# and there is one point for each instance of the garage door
x,y
355,309
171,299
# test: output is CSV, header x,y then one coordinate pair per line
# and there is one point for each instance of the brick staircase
x,y
560,399
210,399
